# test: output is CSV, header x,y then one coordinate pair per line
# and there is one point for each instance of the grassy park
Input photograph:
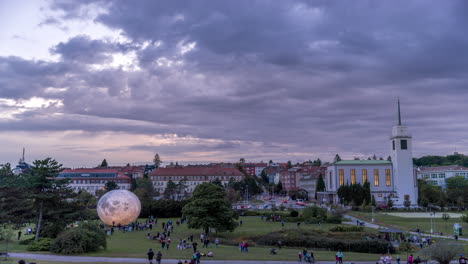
x,y
135,244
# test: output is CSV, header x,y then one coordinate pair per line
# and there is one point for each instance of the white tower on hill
x,y
405,182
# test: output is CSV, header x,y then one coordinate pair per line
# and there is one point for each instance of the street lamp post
x,y
373,208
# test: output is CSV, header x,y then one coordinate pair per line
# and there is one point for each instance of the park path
x,y
70,259
371,225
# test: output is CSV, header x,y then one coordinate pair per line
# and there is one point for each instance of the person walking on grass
x,y
339,255
217,242
158,257
410,259
150,256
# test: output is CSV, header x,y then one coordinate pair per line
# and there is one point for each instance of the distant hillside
x,y
456,159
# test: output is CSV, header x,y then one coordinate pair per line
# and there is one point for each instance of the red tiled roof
x,y
197,171
443,168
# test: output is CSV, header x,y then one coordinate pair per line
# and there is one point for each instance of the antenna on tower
x,y
399,115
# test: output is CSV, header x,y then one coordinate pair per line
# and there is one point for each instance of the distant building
x,y
193,175
308,182
254,169
395,179
290,178
438,175
92,180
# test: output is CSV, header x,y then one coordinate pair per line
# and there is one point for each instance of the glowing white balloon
x,y
118,207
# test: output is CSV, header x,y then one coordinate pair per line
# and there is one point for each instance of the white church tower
x,y
404,177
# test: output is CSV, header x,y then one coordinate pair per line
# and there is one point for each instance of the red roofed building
x,y
290,178
92,180
193,175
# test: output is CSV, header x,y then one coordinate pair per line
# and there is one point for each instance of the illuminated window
x,y
387,177
380,195
353,176
341,174
376,177
364,175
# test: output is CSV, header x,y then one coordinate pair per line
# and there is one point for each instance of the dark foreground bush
x,y
349,228
43,244
307,239
83,239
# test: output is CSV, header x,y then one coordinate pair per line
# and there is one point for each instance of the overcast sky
x,y
202,81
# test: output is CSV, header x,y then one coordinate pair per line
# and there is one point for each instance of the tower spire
x,y
399,115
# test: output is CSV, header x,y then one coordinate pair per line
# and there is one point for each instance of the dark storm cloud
x,y
292,76
83,49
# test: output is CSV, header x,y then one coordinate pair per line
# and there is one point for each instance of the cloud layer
x,y
255,79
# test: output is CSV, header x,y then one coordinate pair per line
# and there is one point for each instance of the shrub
x,y
43,244
308,239
344,228
294,213
28,241
442,252
86,238
249,213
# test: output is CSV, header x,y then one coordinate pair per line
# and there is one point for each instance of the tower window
x,y
404,144
393,144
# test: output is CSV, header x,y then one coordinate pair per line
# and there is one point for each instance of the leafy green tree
x,y
6,174
86,200
317,162
464,217
320,184
241,160
430,194
208,208
171,190
218,182
39,196
157,160
278,187
264,177
104,163
337,158
289,164
456,190
367,192
110,186
6,234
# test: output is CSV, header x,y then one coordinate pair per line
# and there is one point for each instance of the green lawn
x,y
135,244
406,223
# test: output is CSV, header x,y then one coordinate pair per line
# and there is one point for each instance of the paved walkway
x,y
69,259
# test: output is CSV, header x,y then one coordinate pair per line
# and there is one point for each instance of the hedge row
x,y
307,239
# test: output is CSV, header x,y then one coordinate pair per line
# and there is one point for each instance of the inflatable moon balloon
x,y
118,207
